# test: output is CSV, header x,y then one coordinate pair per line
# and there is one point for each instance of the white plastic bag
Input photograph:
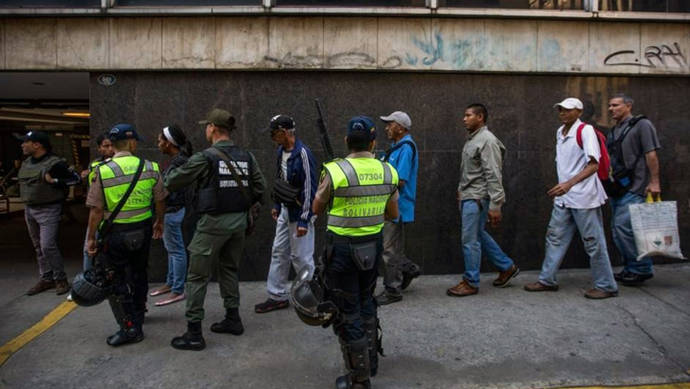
x,y
655,226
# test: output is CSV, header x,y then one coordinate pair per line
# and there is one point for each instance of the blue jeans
x,y
559,234
177,256
623,236
475,239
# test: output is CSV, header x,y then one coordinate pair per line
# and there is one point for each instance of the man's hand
x,y
560,189
91,246
458,196
654,188
84,174
494,218
48,178
301,231
274,214
157,229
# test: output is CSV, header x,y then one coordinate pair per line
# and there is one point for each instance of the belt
x,y
335,238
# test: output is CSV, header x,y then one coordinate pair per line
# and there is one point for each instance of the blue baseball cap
x,y
123,131
362,124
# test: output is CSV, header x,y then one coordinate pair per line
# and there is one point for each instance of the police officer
x,y
228,182
43,179
360,192
126,245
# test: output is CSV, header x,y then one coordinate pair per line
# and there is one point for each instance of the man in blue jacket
x,y
399,270
293,193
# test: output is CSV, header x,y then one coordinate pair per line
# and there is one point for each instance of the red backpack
x,y
604,160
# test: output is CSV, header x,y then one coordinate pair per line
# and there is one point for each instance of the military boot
x,y
190,340
356,356
232,324
128,333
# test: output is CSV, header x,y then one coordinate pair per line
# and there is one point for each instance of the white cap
x,y
570,103
399,117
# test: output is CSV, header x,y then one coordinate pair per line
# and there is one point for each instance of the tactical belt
x,y
335,238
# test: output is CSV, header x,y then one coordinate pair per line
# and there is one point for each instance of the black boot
x,y
371,332
232,324
356,356
125,335
190,340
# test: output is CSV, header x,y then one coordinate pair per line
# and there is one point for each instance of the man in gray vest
x,y
43,179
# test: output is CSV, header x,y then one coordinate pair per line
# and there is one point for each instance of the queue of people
x,y
368,200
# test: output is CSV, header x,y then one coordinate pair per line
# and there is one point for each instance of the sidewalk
x,y
500,338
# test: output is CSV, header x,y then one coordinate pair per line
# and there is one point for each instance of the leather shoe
x,y
539,287
386,298
504,277
41,286
61,287
130,335
462,289
598,294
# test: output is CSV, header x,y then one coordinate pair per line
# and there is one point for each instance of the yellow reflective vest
x,y
116,176
361,188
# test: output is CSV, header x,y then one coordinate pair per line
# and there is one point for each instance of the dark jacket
x,y
301,172
178,199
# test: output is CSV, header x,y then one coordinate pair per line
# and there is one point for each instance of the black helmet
x,y
307,295
89,288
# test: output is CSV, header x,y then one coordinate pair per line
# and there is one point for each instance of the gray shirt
x,y
641,139
482,165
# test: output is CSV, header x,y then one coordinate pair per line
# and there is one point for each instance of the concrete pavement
x,y
500,338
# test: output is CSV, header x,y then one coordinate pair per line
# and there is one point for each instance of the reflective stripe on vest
x,y
361,189
116,176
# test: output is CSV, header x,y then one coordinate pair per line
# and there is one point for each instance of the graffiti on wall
x,y
663,56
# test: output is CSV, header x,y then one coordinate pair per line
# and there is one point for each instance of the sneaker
x,y
409,275
598,294
504,277
69,297
41,286
271,305
619,276
61,287
386,298
634,279
462,289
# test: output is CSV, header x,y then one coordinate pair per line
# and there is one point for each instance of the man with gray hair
x,y
293,193
632,143
399,270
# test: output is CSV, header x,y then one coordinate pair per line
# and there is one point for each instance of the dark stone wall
x,y
521,114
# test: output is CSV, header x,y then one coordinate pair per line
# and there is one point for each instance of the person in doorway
x,y
43,179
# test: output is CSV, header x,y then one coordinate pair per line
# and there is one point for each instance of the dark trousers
x,y
127,254
351,289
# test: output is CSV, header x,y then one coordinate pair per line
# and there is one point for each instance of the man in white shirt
x,y
577,205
